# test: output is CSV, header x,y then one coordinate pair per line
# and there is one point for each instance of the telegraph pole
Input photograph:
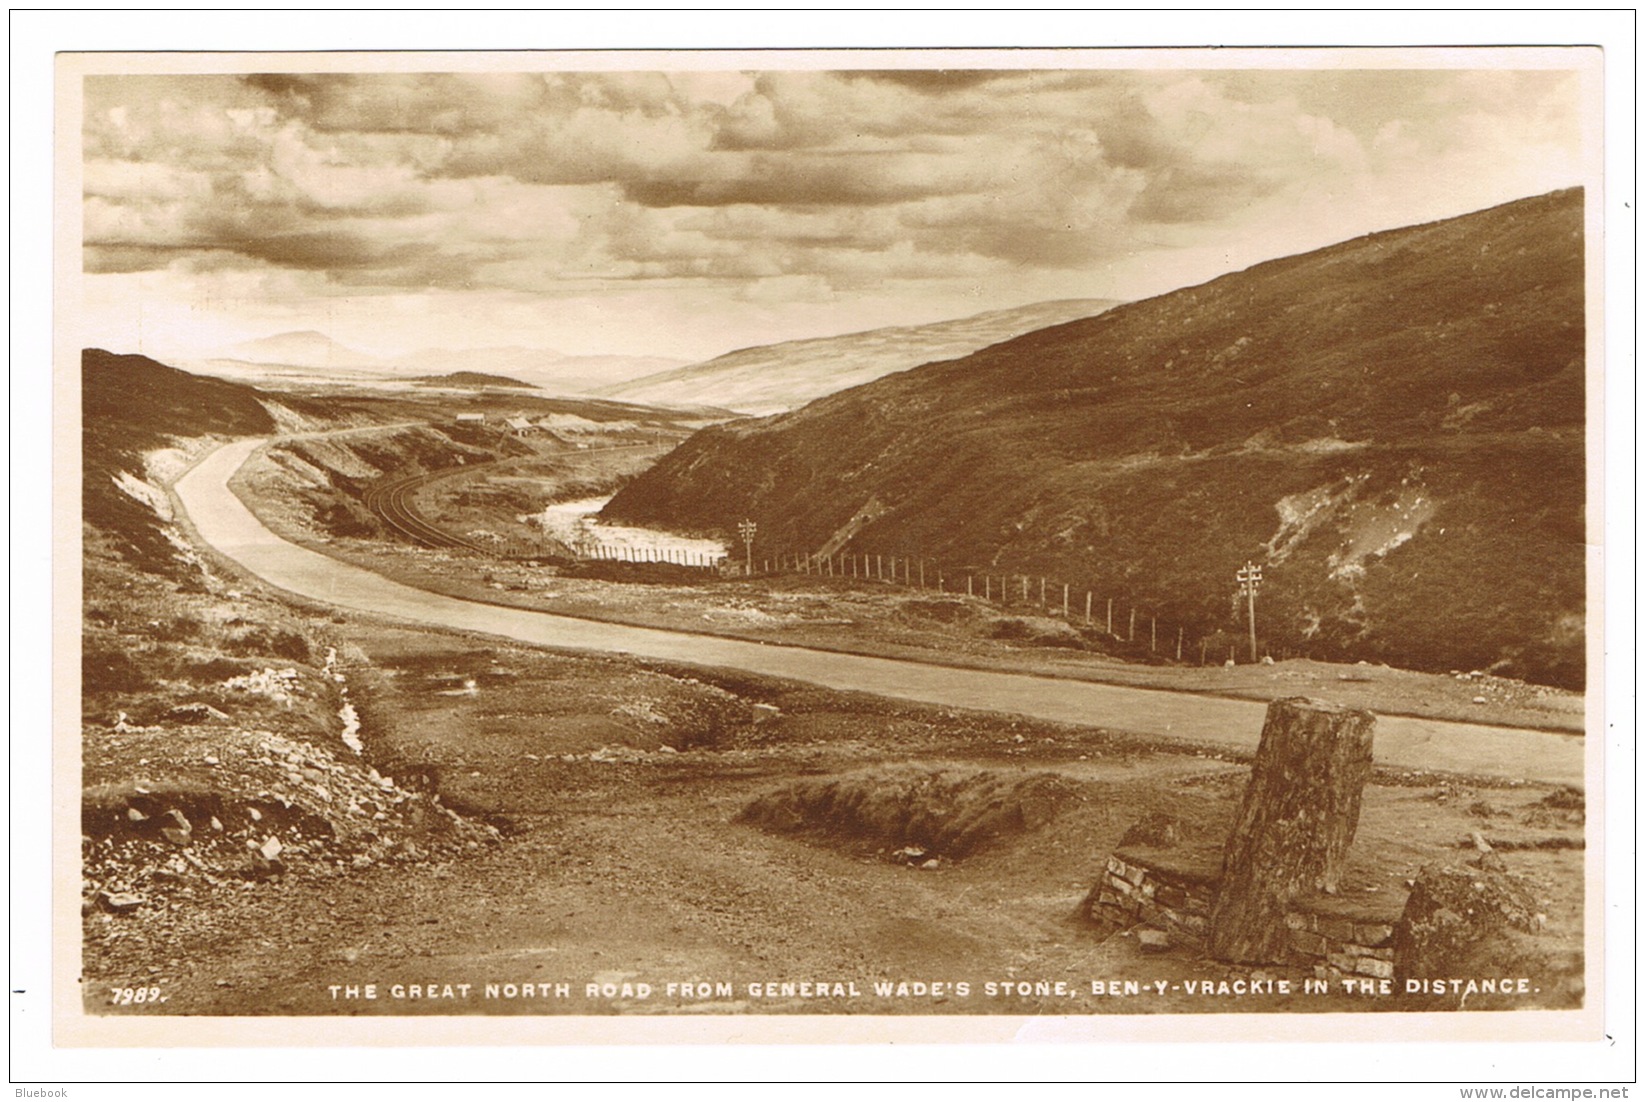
x,y
746,530
1250,580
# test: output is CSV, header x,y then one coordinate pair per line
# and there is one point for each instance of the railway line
x,y
391,500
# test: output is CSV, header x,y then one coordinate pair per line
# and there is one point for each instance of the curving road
x,y
225,523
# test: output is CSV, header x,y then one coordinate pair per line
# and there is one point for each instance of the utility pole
x,y
746,530
1250,580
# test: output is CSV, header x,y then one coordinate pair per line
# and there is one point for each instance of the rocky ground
x,y
589,821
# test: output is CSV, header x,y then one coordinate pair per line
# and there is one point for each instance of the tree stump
x,y
1298,818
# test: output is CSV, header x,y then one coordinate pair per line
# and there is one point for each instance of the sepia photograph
x,y
832,541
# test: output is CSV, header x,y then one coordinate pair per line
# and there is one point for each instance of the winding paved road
x,y
225,523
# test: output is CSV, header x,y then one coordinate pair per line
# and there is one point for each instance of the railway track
x,y
390,499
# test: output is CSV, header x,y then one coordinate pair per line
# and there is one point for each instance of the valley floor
x,y
895,621
550,819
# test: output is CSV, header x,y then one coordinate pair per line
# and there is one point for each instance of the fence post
x,y
1131,632
1179,642
1110,616
1065,600
1087,608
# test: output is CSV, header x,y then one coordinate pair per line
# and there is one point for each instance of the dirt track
x,y
1402,742
627,865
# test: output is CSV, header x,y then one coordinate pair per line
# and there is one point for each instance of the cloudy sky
x,y
689,213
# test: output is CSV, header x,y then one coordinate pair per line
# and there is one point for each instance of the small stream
x,y
577,523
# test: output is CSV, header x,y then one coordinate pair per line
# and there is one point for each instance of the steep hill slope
x,y
1393,426
132,406
777,377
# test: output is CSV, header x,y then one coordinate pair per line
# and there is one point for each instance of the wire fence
x,y
545,546
1116,616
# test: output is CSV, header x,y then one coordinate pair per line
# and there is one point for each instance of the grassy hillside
x,y
132,405
777,377
1393,426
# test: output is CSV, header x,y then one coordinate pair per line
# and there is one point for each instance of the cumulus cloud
x,y
761,184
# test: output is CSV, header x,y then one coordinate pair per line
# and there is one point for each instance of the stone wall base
x,y
1130,893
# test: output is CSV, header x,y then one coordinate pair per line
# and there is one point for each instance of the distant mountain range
x,y
555,372
777,377
313,354
307,348
1393,427
761,380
